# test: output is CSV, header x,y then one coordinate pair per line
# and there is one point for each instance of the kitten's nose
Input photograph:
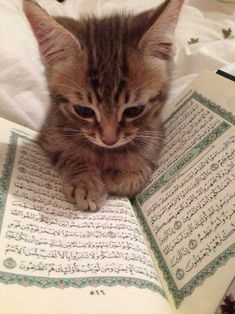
x,y
109,137
109,142
109,132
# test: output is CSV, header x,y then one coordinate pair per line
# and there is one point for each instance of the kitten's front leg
x,y
128,182
86,189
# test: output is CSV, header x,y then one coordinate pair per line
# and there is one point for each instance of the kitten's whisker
x,y
150,144
154,131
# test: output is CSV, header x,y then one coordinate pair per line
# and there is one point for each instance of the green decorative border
x,y
207,271
183,162
6,174
226,115
180,294
45,282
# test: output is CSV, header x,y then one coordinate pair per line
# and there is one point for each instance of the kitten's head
x,y
108,77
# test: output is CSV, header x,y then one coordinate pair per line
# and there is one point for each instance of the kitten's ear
x,y
56,43
157,39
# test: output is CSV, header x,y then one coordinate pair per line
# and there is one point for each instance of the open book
x,y
171,250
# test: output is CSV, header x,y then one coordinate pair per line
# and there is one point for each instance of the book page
x,y
66,258
188,209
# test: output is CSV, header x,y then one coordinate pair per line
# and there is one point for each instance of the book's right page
x,y
188,209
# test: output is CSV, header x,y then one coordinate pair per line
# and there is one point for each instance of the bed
x,y
205,38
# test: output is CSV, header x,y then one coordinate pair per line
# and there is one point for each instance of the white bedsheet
x,y
23,92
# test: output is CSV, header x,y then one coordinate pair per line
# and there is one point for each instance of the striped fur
x,y
106,64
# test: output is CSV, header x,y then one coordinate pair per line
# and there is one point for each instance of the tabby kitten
x,y
109,78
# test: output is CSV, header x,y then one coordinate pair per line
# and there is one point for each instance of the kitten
x,y
109,78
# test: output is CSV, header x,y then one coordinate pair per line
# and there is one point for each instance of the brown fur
x,y
107,64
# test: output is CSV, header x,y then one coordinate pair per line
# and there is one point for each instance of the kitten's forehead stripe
x,y
137,96
89,98
120,88
88,42
127,97
125,40
95,83
106,43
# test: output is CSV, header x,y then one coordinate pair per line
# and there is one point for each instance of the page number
x,y
97,292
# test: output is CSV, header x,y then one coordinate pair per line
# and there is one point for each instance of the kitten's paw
x,y
87,192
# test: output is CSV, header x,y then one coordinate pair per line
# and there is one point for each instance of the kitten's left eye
x,y
84,112
133,112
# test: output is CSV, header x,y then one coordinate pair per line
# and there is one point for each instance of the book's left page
x,y
55,259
